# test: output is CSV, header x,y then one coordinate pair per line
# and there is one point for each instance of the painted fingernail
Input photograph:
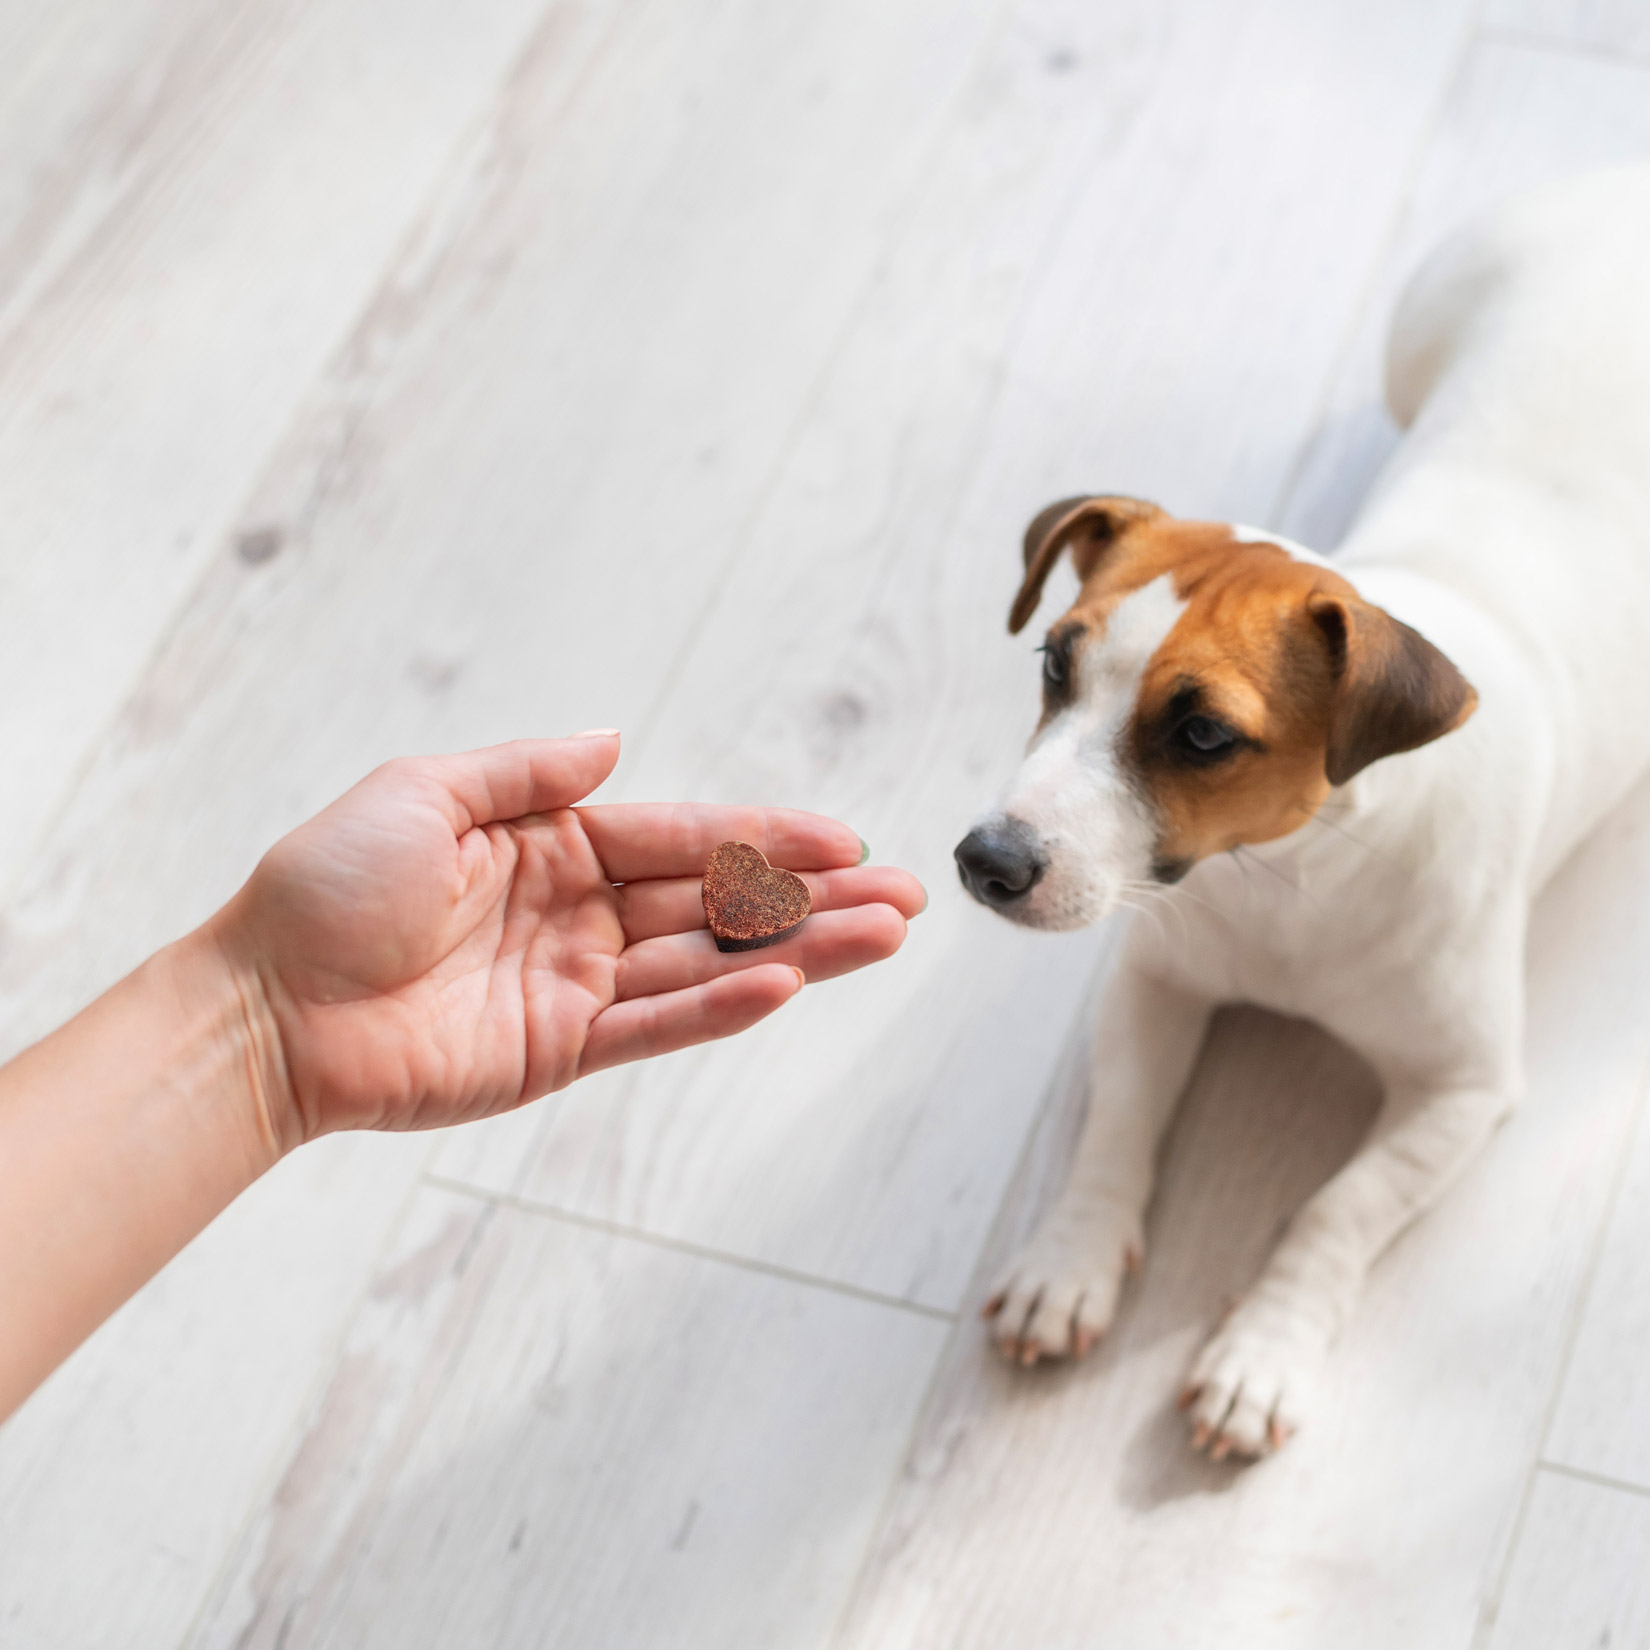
x,y
864,850
596,733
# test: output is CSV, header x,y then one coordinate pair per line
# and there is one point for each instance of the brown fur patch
x,y
1394,690
1088,526
1309,682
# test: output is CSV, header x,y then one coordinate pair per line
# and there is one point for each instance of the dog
x,y
1411,736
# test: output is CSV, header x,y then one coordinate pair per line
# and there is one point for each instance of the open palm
x,y
453,937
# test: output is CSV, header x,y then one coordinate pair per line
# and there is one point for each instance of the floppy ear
x,y
1393,689
1089,525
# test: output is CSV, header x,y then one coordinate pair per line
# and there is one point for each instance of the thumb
x,y
526,776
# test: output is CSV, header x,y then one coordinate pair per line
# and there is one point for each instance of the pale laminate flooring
x,y
379,378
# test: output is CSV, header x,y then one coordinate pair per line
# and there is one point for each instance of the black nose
x,y
999,862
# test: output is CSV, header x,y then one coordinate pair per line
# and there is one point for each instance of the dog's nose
x,y
999,862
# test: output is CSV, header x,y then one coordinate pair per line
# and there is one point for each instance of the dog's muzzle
x,y
1000,861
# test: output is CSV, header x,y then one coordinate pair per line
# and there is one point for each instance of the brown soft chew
x,y
749,903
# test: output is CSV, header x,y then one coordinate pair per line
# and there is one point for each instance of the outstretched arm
x,y
450,939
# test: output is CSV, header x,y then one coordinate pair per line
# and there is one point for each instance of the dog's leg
x,y
1252,1382
1060,1294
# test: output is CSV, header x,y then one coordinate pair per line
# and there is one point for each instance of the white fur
x,y
1258,535
1073,788
1513,530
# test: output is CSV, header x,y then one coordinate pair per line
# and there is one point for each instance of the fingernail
x,y
596,733
864,850
801,978
924,906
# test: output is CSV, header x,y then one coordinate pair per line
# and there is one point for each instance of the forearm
x,y
122,1135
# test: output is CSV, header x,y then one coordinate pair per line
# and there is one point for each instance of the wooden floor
x,y
388,375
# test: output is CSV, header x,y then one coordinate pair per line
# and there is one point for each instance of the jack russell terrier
x,y
1413,736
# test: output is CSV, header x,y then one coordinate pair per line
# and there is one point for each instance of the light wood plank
x,y
1602,1423
78,80
1519,117
543,1436
125,1479
1143,307
1600,25
1039,1507
182,245
1583,1576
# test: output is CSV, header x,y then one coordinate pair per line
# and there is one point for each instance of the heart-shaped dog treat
x,y
747,902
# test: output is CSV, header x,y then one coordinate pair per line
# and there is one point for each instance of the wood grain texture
x,y
538,1435
1517,117
1584,1573
183,242
1037,1506
81,80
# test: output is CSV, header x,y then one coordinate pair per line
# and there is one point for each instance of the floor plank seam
x,y
1602,1480
1384,250
1526,41
1571,1334
683,1246
326,1368
1008,1208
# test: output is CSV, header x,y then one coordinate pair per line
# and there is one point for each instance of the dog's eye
x,y
1205,736
1056,667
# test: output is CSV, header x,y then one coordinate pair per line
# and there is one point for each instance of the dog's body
x,y
1214,687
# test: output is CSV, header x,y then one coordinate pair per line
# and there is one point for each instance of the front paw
x,y
1060,1296
1252,1383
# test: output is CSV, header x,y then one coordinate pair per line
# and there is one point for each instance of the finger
x,y
835,942
646,1026
675,905
674,839
526,776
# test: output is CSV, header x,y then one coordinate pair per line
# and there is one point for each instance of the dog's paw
x,y
1251,1385
1060,1295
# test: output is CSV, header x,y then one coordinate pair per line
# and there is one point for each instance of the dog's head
x,y
1205,690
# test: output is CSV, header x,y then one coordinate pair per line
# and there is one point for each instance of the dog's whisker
x,y
1146,911
1272,870
1368,847
1243,866
1152,900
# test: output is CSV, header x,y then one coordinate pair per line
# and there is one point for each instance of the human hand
x,y
452,937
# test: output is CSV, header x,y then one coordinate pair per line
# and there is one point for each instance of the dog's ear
x,y
1393,689
1090,525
